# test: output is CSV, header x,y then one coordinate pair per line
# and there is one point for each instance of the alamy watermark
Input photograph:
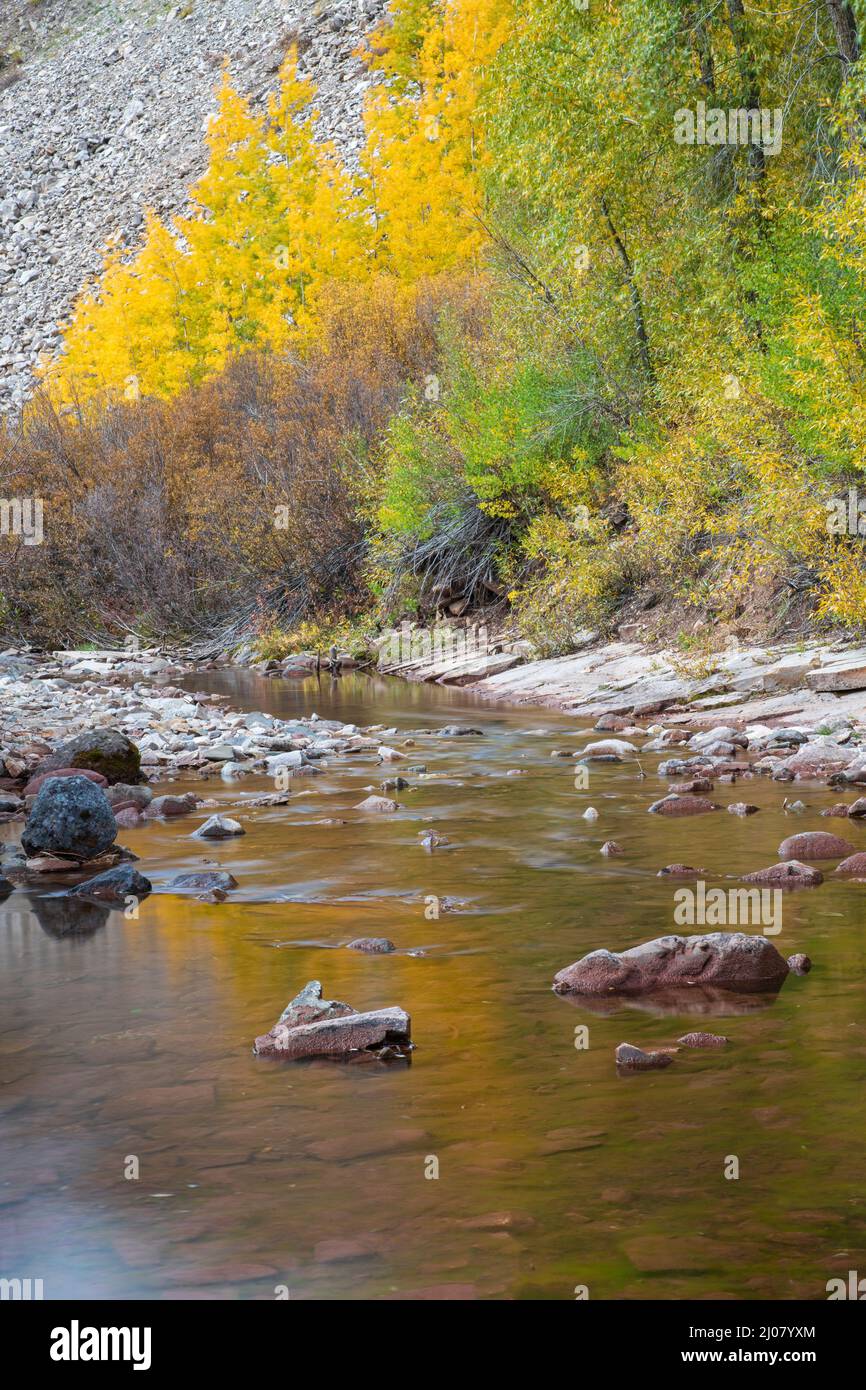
x,y
22,516
846,516
738,907
761,127
407,644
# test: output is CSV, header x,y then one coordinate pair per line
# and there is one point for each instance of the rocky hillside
x,y
102,112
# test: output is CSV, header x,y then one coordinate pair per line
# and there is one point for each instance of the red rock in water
x,y
722,960
693,788
637,1060
857,809
799,964
36,782
127,817
814,844
171,805
854,864
840,810
610,724
682,806
702,1040
791,874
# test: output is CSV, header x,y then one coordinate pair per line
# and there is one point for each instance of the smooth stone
x,y
722,960
790,874
674,805
627,1055
218,828
814,844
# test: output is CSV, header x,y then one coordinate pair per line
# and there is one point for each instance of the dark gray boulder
x,y
70,817
107,751
114,886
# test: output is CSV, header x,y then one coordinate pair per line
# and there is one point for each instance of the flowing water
x,y
125,1045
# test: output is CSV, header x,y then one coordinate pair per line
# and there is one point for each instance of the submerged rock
x,y
205,881
377,803
373,945
610,847
314,1027
71,817
674,805
218,828
170,805
635,1059
799,964
114,886
790,874
854,864
680,871
724,960
814,844
743,808
702,1040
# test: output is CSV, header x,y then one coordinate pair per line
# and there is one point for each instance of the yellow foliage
x,y
425,152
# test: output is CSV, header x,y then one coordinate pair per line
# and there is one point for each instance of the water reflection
x,y
125,1038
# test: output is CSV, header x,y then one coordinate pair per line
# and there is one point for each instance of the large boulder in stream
x,y
815,844
311,1026
70,817
722,960
106,751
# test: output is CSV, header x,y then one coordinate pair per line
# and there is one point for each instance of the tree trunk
x,y
845,29
634,294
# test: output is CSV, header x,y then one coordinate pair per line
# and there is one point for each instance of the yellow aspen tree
x,y
316,232
128,336
425,155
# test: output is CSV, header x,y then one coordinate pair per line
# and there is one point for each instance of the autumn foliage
x,y
533,337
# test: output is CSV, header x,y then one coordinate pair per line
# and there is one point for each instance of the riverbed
x,y
148,1153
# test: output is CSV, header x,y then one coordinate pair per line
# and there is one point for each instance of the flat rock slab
x,y
843,675
724,960
383,1031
